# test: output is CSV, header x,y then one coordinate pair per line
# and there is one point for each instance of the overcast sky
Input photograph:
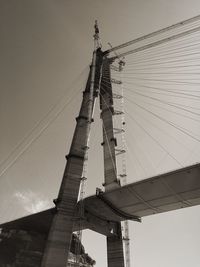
x,y
45,51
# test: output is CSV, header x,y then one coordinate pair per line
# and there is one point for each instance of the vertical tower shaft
x,y
59,239
115,254
109,141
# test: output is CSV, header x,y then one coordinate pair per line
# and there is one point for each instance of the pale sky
x,y
45,50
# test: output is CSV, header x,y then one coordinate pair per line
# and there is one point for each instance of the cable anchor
x,y
119,151
116,81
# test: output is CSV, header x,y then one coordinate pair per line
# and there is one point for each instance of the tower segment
x,y
115,253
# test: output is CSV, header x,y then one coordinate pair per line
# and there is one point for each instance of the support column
x,y
109,141
115,249
59,239
115,253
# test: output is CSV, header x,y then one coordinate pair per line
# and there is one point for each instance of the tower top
x,y
96,35
96,27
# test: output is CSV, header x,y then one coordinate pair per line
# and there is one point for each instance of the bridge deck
x,y
174,190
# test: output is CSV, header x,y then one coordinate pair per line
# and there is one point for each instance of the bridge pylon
x,y
115,253
59,238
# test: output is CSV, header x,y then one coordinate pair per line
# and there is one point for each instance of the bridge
x,y
173,190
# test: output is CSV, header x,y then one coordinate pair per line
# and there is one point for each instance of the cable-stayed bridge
x,y
161,83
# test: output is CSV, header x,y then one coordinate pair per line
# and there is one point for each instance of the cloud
x,y
32,202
